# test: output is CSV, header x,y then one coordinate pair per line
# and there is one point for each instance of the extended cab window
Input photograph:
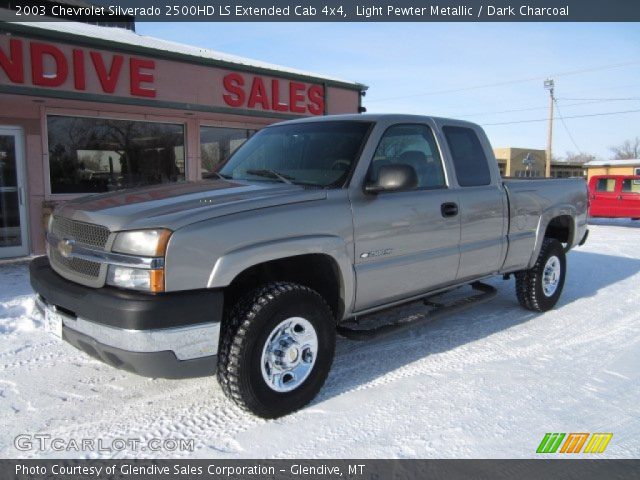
x,y
606,185
412,145
469,160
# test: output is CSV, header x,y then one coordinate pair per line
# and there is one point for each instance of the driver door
x,y
406,242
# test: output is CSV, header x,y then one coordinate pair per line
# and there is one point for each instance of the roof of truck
x,y
376,117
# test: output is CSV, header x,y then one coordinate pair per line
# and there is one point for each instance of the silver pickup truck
x,y
310,226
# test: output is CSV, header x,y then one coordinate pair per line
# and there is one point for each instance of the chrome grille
x,y
79,266
86,233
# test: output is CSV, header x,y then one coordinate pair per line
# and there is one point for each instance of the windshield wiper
x,y
220,175
266,172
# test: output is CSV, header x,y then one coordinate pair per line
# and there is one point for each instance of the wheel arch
x,y
321,263
558,223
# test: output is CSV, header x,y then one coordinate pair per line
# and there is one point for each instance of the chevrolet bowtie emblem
x,y
65,247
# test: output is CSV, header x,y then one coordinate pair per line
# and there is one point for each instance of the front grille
x,y
79,266
85,233
83,271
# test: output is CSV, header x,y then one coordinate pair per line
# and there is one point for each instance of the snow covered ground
x,y
486,383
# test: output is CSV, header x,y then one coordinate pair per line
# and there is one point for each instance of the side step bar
x,y
440,310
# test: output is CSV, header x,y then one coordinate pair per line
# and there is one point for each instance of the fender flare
x,y
545,219
233,263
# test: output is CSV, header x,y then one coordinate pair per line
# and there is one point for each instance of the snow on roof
x,y
127,37
613,163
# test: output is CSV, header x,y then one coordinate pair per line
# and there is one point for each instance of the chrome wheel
x,y
551,276
289,354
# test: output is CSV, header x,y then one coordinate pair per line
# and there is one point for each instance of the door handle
x,y
449,209
619,197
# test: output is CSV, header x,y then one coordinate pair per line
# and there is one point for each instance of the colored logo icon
x,y
574,442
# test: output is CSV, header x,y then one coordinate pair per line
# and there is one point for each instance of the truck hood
x,y
178,204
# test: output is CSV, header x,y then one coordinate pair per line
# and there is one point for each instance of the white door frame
x,y
23,249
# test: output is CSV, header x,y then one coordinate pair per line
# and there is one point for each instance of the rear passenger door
x,y
629,203
483,209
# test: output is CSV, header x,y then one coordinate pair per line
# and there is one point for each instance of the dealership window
x,y
89,155
217,144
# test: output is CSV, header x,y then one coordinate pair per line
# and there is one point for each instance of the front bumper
x,y
170,335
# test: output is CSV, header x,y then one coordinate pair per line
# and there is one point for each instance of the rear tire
x,y
276,349
539,288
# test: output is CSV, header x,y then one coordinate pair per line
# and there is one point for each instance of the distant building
x,y
528,162
567,169
613,167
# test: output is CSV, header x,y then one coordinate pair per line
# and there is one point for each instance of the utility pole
x,y
549,85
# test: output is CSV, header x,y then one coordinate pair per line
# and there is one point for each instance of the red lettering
x,y
13,65
138,77
258,94
108,80
275,97
295,96
233,84
79,79
316,99
38,77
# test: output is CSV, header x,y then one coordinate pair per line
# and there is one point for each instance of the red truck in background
x,y
614,196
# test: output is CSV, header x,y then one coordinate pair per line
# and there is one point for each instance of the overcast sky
x,y
470,71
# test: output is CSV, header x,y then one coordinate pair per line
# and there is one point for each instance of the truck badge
x,y
65,247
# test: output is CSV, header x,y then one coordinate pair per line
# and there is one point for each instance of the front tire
x,y
276,349
539,288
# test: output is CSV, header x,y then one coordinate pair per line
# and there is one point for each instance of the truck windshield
x,y
316,153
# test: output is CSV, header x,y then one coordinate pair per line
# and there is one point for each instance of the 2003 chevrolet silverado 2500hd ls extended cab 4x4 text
x,y
310,224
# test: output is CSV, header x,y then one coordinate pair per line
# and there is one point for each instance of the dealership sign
x,y
55,66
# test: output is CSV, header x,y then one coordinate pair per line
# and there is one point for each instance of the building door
x,y
13,212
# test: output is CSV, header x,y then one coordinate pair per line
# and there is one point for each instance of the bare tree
x,y
578,157
628,150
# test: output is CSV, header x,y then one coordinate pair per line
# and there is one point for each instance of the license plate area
x,y
53,321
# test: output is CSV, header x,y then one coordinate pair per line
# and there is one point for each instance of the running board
x,y
487,292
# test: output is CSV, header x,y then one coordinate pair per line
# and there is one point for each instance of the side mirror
x,y
393,178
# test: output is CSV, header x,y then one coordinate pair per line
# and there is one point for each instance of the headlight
x,y
148,243
136,278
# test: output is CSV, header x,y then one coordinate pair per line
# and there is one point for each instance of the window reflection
x,y
217,144
99,155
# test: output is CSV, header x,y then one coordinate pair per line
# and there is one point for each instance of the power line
x,y
572,116
565,126
509,82
589,102
601,99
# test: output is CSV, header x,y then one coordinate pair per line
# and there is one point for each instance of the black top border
x,y
124,12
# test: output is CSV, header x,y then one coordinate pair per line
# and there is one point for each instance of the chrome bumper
x,y
187,343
